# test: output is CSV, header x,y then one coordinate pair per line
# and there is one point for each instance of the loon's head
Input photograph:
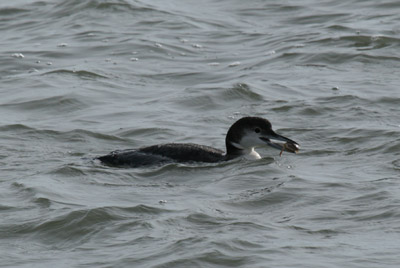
x,y
250,132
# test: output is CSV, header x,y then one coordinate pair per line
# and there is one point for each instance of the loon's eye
x,y
257,130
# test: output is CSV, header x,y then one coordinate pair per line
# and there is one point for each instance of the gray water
x,y
79,79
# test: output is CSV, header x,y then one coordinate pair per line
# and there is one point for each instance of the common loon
x,y
242,137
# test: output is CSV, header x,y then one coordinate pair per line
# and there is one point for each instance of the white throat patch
x,y
251,154
248,153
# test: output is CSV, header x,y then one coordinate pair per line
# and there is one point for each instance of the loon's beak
x,y
289,145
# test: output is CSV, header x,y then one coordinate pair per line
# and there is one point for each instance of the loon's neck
x,y
234,150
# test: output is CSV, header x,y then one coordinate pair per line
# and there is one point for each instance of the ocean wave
x,y
80,74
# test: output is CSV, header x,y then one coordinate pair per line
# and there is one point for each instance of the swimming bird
x,y
242,137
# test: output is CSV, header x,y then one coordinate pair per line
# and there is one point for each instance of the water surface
x,y
82,78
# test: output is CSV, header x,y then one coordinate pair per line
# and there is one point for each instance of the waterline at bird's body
x,y
243,136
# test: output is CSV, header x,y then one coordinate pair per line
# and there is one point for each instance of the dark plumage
x,y
242,137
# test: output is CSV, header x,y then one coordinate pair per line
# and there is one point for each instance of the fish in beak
x,y
289,146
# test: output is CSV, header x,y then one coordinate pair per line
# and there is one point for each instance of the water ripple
x,y
81,74
82,78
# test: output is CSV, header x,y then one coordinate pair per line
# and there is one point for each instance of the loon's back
x,y
163,154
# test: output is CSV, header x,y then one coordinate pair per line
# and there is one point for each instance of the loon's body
x,y
242,137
